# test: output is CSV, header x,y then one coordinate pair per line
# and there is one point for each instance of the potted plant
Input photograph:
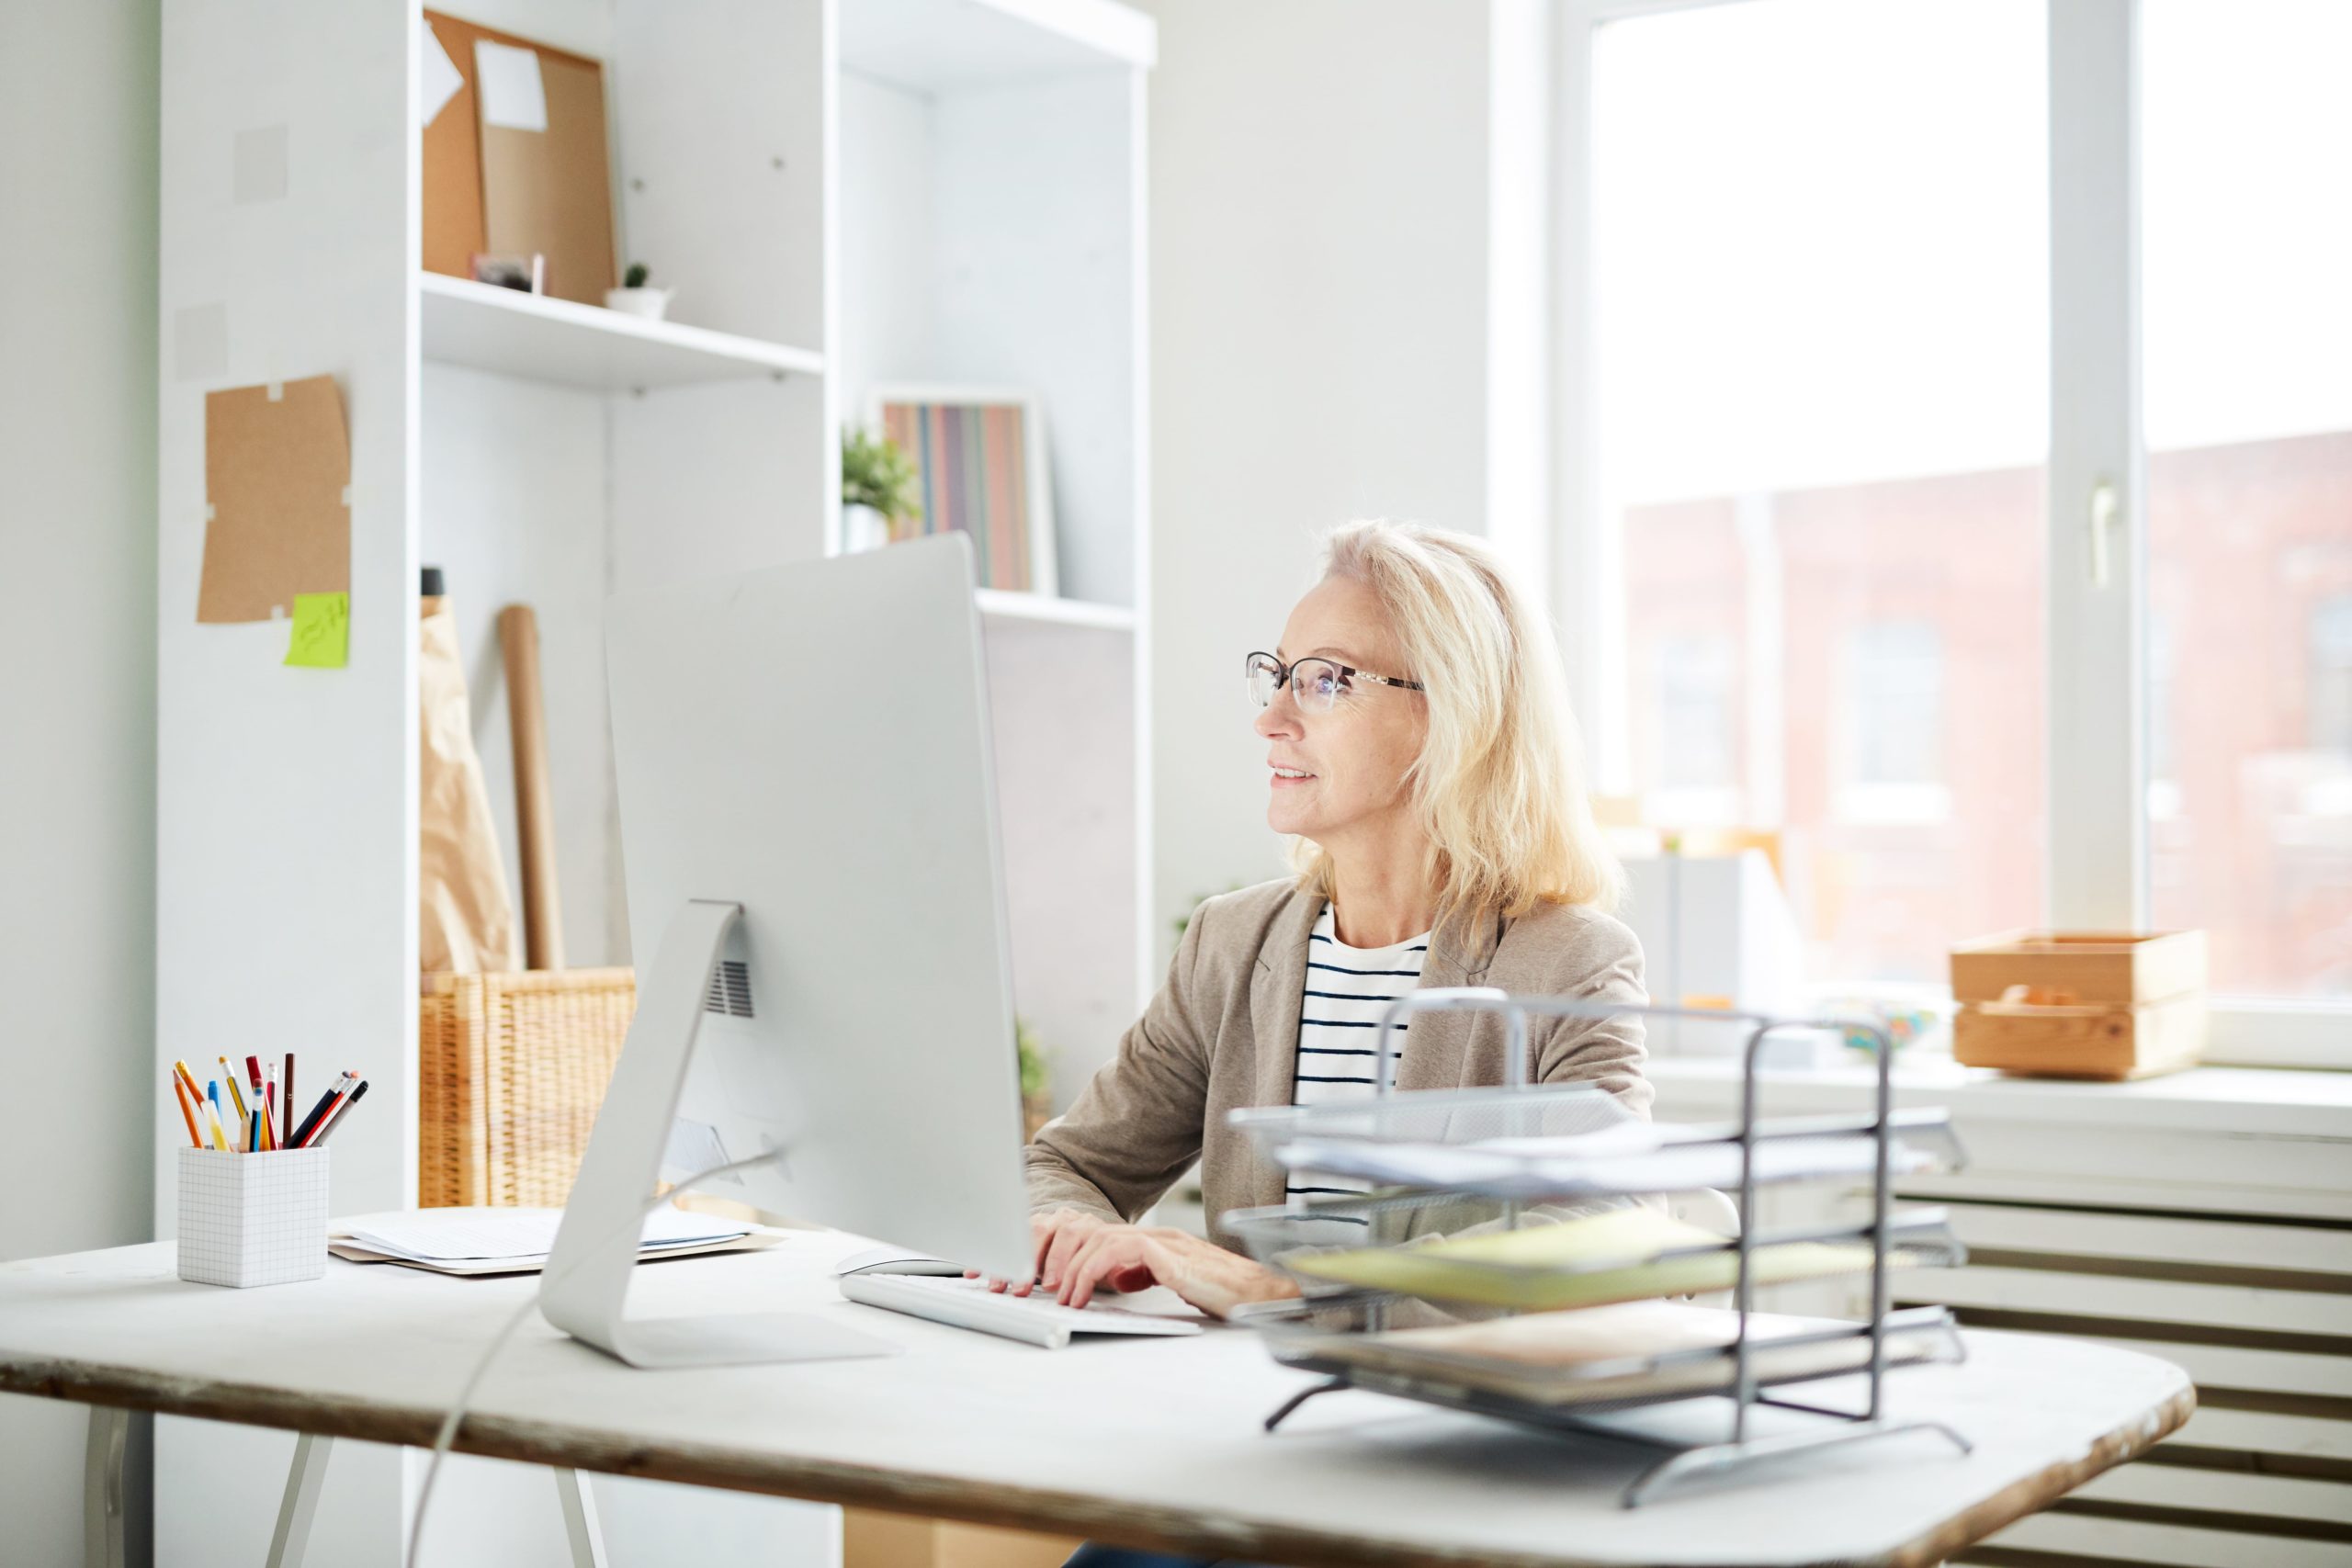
x,y
636,295
878,485
1036,1081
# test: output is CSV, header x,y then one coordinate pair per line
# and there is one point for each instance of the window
x,y
1819,248
2327,708
1694,709
1889,330
2247,247
1898,707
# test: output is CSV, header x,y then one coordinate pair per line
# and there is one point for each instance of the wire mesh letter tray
x,y
1315,1332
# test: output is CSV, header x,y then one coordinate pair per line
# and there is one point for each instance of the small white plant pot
x,y
651,303
863,528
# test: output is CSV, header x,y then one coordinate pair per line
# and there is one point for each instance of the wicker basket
x,y
511,1070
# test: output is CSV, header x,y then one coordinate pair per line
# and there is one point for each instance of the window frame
x,y
2096,608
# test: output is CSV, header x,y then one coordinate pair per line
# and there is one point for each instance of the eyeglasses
x,y
1314,683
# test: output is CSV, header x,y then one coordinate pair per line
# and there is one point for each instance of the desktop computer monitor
x,y
809,822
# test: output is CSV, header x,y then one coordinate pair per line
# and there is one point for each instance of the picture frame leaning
x,y
979,459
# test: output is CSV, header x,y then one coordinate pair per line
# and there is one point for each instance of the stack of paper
x,y
515,1241
1585,1167
1615,1257
1634,1350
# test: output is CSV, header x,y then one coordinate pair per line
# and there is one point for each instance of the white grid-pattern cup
x,y
253,1219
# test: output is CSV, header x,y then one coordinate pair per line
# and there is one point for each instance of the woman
x,y
1421,754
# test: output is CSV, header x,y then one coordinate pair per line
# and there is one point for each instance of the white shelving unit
x,y
540,338
843,192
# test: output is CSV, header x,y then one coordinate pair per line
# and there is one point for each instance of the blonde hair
x,y
1498,788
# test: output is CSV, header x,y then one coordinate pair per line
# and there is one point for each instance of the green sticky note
x,y
321,631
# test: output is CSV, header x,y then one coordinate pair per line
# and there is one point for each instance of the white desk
x,y
1154,1443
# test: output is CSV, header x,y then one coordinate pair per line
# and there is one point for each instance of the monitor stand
x,y
584,1291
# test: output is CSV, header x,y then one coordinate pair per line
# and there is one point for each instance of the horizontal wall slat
x,y
2266,1432
2130,1192
2137,1301
2176,1158
2173,1546
2236,1367
2155,1238
2221,1491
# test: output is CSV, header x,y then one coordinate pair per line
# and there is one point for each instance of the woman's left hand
x,y
1129,1257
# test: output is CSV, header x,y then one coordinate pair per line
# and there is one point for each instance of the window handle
x,y
2105,504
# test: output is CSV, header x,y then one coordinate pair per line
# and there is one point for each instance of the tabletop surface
x,y
1153,1442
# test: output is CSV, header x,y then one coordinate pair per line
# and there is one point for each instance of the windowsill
x,y
2255,1101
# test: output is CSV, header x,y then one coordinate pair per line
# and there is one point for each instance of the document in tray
x,y
1530,1167
1589,1261
498,1241
1632,1350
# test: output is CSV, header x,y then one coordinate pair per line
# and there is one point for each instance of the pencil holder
x,y
253,1219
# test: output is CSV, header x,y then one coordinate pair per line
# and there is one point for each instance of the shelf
x,y
998,603
474,324
928,46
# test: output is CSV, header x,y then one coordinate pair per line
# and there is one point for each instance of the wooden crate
x,y
2080,968
2080,1004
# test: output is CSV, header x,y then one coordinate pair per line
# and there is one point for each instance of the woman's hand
x,y
1054,1235
1129,1257
1080,1253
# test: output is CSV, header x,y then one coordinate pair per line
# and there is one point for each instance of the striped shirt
x,y
1348,989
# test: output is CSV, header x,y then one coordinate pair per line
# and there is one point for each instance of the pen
x,y
286,1096
253,1132
236,1097
269,1106
310,1124
336,1117
188,1111
212,1119
261,1100
342,1087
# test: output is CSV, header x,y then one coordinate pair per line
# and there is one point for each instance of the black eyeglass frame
x,y
1285,673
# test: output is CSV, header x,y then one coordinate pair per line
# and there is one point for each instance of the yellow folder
x,y
1611,1257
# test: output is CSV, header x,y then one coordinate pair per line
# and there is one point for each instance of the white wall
x,y
1318,274
77,679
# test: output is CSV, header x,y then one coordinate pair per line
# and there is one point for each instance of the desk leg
x,y
102,1500
580,1525
302,1501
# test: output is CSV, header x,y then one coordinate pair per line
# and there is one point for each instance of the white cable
x,y
456,1419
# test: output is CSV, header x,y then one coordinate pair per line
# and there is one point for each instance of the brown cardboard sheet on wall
x,y
275,472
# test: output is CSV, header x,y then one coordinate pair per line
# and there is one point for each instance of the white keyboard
x,y
970,1303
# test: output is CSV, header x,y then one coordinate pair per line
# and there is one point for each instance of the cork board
x,y
276,471
552,191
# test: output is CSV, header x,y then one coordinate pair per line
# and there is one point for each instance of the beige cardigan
x,y
1223,1033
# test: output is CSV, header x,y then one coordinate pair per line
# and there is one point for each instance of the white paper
x,y
437,80
514,1235
508,80
1670,1170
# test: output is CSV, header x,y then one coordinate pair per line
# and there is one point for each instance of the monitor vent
x,y
730,989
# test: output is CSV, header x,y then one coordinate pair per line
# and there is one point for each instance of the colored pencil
x,y
236,1097
188,1111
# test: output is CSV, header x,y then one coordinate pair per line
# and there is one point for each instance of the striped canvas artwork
x,y
972,460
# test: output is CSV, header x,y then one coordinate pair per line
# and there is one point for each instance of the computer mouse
x,y
895,1261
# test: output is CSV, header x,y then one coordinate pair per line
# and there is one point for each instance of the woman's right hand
x,y
1055,1236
